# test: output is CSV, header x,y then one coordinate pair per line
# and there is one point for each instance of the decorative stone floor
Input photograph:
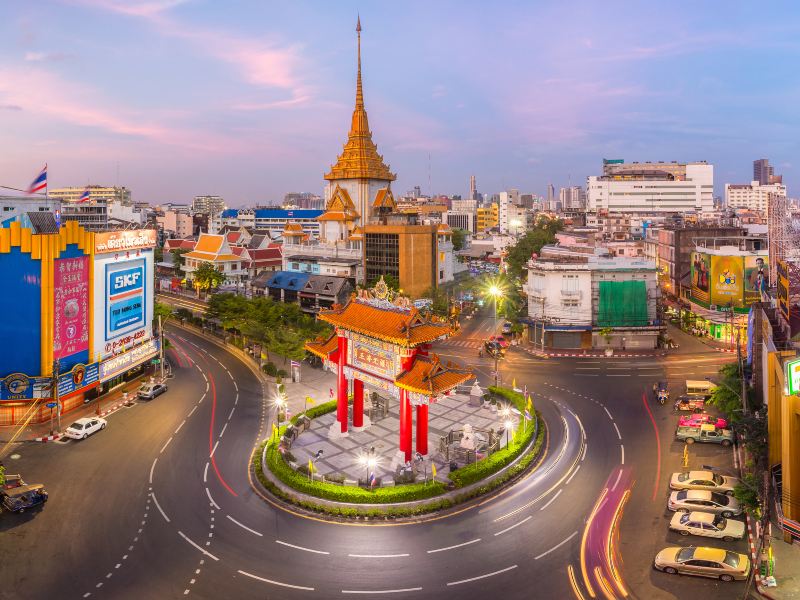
x,y
341,455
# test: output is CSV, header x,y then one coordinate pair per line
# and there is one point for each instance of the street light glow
x,y
495,291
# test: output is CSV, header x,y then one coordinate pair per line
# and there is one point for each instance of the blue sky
x,y
250,100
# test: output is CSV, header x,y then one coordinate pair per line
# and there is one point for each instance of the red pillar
x,y
405,424
358,403
422,429
341,387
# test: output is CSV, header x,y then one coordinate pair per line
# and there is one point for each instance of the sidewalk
x,y
593,353
787,568
691,344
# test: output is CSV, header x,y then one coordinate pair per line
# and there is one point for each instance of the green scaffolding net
x,y
622,304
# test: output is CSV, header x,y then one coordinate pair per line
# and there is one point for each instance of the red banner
x,y
71,306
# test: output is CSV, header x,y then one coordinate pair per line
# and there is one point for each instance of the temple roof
x,y
359,158
323,348
384,199
405,327
430,377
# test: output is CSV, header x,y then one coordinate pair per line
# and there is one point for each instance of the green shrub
x,y
270,369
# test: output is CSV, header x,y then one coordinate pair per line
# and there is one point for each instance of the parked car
x,y
151,390
506,328
707,525
703,500
83,428
703,480
698,419
703,562
22,497
704,434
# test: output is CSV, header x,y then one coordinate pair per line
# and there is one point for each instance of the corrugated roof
x,y
43,222
288,280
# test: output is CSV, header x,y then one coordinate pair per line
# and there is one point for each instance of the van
x,y
699,388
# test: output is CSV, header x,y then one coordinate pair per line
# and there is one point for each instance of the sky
x,y
252,99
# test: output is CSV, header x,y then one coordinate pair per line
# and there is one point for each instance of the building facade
x,y
487,217
210,205
752,196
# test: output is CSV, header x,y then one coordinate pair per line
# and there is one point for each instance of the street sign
x,y
793,376
50,405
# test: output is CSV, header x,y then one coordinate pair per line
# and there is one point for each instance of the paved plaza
x,y
341,455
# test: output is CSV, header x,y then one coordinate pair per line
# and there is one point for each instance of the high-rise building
x,y
762,171
652,188
305,200
753,196
551,197
572,198
96,192
210,205
473,189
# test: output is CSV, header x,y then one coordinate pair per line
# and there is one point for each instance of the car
x,y
499,339
707,525
493,349
703,480
83,428
506,328
703,562
22,497
690,403
698,419
151,390
703,500
704,434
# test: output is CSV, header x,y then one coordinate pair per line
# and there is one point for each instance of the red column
x,y
405,424
341,387
422,429
358,403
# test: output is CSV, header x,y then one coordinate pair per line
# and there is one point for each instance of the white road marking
x,y
556,547
456,546
616,483
214,504
484,576
608,413
165,446
301,547
399,591
512,527
179,426
557,494
620,375
155,460
619,435
244,527
378,555
575,472
203,397
207,386
224,427
158,506
214,449
231,413
622,448
586,375
204,375
194,408
236,387
236,400
287,585
205,474
203,550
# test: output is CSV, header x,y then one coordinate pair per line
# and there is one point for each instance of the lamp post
x,y
508,425
496,293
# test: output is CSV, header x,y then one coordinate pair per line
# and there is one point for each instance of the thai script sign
x,y
70,306
79,377
116,241
121,363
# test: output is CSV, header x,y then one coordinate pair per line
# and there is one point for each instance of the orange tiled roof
x,y
337,215
209,242
293,227
430,377
211,257
384,199
404,327
323,349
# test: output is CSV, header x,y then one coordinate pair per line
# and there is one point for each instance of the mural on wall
x,y
701,271
756,278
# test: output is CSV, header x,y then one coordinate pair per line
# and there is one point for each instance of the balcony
x,y
571,293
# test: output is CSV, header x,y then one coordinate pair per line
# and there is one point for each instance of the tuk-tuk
x,y
662,393
12,481
699,388
688,403
20,498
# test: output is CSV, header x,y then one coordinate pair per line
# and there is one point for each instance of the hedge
x,y
522,437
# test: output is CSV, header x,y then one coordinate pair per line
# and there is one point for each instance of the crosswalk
x,y
460,343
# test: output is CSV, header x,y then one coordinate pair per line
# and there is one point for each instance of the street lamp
x,y
508,425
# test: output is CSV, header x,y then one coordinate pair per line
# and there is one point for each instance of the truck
x,y
705,433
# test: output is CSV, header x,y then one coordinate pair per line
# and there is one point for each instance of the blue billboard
x,y
125,297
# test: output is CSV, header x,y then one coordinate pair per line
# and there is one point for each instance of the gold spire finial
x,y
359,90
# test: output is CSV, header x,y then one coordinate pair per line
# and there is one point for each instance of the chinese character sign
x,y
70,306
373,360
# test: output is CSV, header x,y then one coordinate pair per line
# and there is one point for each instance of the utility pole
x,y
54,392
161,347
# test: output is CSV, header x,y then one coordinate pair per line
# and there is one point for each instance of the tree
x,y
158,254
207,276
459,238
177,257
724,397
543,233
163,310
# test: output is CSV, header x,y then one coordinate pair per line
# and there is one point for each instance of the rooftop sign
x,y
120,241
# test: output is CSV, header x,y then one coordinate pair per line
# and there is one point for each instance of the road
x,y
159,504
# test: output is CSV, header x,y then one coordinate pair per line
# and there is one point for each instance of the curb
x,y
47,438
725,350
581,355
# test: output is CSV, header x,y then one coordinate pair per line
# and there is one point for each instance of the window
x,y
569,303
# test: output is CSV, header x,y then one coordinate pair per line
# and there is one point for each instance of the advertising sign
x,y
783,290
119,364
793,376
70,306
125,297
122,241
373,360
19,386
78,378
701,272
756,278
727,285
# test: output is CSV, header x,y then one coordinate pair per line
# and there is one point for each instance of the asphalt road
x,y
159,504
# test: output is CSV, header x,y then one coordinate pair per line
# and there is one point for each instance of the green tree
x,y
543,233
2,476
724,396
207,276
747,493
158,254
163,310
459,238
177,257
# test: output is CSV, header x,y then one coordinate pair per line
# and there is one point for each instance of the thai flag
x,y
372,480
528,415
330,391
40,183
84,196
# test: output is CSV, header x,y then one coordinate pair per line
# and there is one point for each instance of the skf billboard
x,y
123,300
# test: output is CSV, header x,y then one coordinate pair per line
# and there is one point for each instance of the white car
x,y
703,480
83,428
707,525
705,501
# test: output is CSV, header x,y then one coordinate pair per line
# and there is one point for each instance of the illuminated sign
x,y
125,297
19,386
121,363
373,360
116,241
793,376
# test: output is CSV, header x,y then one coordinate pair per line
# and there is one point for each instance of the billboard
x,y
783,290
125,297
121,363
727,285
70,306
701,273
793,377
756,278
124,241
19,386
78,378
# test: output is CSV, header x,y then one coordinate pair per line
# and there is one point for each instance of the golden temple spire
x,y
360,158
